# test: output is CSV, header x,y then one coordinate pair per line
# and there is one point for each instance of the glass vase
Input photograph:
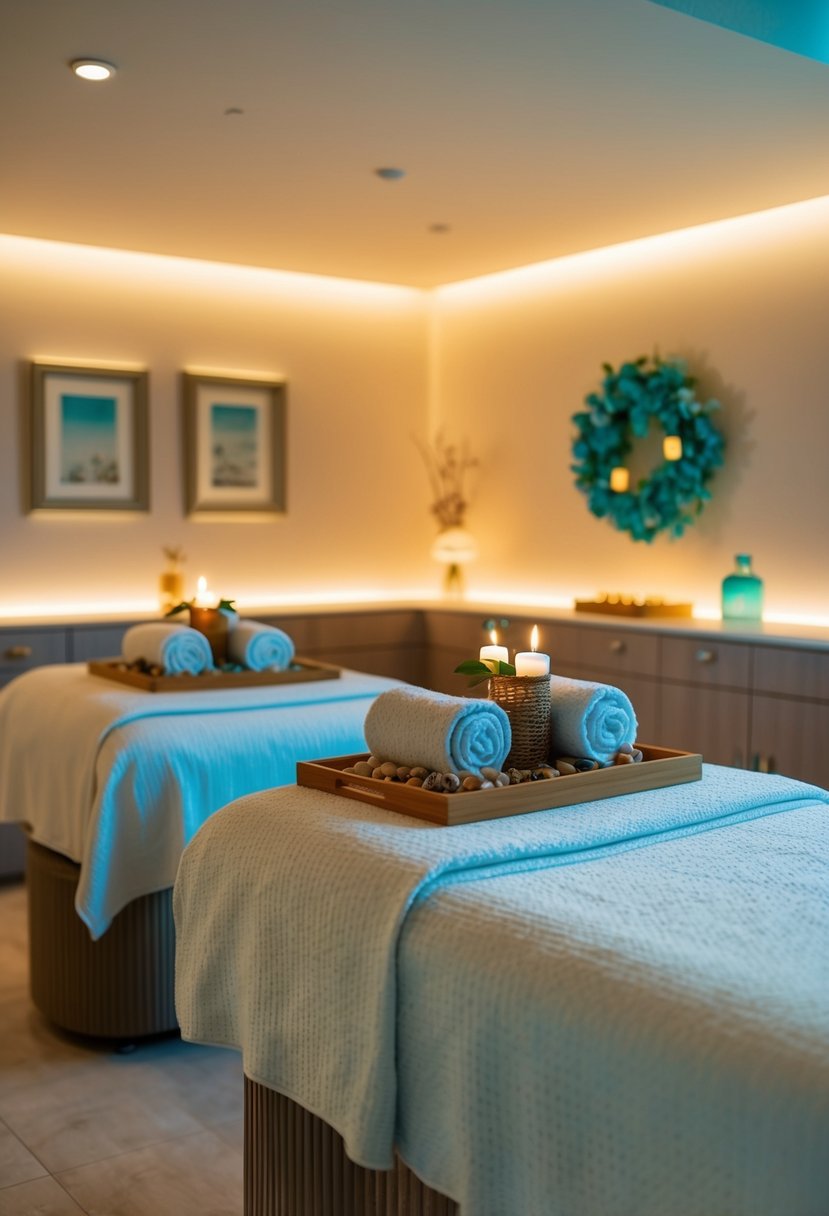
x,y
742,592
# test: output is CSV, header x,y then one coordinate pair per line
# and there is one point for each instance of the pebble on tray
x,y
419,777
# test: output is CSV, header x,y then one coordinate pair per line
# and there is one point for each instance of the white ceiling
x,y
534,128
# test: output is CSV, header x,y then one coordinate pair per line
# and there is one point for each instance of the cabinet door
x,y
789,737
711,721
98,642
23,649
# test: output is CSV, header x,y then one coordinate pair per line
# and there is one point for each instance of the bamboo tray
x,y
301,671
658,768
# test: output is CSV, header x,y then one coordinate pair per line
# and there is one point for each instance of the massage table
x,y
111,782
619,1008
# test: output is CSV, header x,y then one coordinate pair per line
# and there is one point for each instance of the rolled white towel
x,y
446,734
260,647
589,719
179,649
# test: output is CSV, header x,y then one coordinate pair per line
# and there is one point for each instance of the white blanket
x,y
289,910
120,779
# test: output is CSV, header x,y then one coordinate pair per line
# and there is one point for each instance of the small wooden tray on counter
x,y
658,768
617,607
300,672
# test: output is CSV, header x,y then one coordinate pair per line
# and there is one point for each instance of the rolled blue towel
x,y
259,647
179,649
445,734
589,719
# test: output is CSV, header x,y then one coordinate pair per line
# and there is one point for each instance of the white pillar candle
x,y
531,662
494,654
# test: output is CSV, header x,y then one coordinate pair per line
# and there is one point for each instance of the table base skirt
x,y
295,1165
119,987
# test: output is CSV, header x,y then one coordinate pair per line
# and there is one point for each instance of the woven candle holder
x,y
213,624
526,701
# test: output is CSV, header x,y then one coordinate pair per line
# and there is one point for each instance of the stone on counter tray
x,y
451,783
362,768
388,769
433,782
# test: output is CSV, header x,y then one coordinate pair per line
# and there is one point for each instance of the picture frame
x,y
234,443
88,438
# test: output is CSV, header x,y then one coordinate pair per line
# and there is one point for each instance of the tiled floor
x,y
156,1132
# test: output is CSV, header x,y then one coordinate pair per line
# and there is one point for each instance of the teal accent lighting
x,y
742,592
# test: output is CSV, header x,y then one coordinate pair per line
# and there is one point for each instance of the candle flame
x,y
201,585
534,638
493,636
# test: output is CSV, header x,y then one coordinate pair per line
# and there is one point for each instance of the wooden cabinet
x,y
712,721
23,649
95,642
789,736
790,713
705,698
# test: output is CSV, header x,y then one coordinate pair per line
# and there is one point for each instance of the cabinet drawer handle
x,y
18,652
617,646
706,656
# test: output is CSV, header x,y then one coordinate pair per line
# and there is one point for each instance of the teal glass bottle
x,y
742,592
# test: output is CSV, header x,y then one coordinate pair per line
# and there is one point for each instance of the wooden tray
x,y
659,767
617,608
301,671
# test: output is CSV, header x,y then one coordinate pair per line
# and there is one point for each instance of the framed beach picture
x,y
89,435
234,444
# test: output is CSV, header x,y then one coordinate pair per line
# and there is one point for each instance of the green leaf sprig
x,y
186,605
480,671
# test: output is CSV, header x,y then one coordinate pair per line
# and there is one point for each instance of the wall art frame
x,y
234,443
88,438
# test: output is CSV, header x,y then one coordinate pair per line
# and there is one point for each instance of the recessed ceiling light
x,y
92,69
390,174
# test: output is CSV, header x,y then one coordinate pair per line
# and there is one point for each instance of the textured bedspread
x,y
617,1009
120,780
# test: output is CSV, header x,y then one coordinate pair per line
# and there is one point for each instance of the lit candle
x,y
494,653
672,447
530,662
205,598
619,479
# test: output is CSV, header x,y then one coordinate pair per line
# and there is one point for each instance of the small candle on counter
x,y
531,662
619,479
205,598
672,447
494,653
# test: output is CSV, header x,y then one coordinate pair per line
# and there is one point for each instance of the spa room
x,y
414,622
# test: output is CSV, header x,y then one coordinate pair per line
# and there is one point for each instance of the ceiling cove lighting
x,y
740,233
93,69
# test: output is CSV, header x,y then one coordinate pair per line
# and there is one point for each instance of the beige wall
x,y
747,303
354,358
504,361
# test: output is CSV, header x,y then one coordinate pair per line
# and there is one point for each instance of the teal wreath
x,y
673,495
